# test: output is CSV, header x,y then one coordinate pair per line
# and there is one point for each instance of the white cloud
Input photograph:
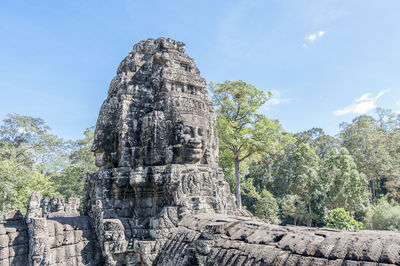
x,y
275,99
362,104
398,102
311,38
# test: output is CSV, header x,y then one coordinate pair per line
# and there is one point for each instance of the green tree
x,y
242,130
306,181
293,206
347,187
70,182
390,124
11,174
340,219
18,183
263,205
31,143
260,169
297,172
367,144
385,215
318,140
27,156
267,207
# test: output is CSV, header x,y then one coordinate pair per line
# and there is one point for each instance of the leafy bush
x,y
267,207
339,218
385,216
262,205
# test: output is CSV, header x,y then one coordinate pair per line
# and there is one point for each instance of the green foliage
x,y
267,207
293,207
70,181
263,205
19,182
368,144
36,181
296,172
339,218
32,143
241,128
385,215
346,186
318,140
31,159
18,130
250,196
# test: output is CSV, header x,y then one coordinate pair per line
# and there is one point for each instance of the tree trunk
x,y
372,184
237,179
309,221
371,225
3,204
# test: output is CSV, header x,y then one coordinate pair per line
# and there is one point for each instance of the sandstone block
x,y
4,241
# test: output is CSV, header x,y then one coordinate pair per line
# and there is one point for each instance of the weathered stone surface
x,y
55,240
13,215
57,207
222,240
13,242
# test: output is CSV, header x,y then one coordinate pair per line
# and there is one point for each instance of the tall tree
x,y
318,140
242,129
347,187
296,173
31,137
306,180
261,168
28,156
365,141
70,181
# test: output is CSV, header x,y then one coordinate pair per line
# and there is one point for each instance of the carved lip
x,y
194,144
191,150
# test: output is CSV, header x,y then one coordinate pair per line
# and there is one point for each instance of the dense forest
x,y
349,181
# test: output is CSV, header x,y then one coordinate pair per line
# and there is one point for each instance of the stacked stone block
x,y
14,247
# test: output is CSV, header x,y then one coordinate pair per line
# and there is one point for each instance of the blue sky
x,y
325,61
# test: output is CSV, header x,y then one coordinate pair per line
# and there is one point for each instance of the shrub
x,y
339,218
267,207
385,216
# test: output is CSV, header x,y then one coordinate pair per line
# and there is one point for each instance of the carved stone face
x,y
74,203
57,204
192,138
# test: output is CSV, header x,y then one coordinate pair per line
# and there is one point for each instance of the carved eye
x,y
200,131
187,130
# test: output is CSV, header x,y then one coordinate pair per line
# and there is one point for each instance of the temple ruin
x,y
159,196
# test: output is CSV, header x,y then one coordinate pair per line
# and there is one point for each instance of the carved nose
x,y
195,141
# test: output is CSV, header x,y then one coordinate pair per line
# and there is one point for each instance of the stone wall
x,y
14,247
58,236
72,241
205,239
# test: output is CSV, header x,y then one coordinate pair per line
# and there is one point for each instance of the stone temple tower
x,y
157,148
